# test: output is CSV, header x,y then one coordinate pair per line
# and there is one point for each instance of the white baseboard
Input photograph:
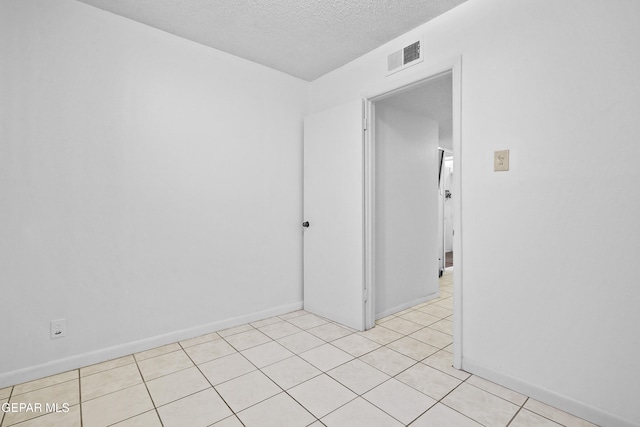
x,y
102,355
407,305
567,404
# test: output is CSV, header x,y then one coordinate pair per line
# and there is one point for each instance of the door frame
x,y
453,66
446,152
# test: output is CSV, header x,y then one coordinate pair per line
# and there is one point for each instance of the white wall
x,y
445,133
550,302
406,203
150,187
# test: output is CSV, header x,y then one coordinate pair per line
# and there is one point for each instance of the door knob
x,y
305,224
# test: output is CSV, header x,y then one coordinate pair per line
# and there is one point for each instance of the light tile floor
x,y
292,370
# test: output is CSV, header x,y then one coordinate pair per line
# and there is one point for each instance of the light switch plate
x,y
501,160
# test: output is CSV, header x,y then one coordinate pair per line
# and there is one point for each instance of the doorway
x,y
407,93
409,127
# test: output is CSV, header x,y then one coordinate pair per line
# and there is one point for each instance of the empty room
x,y
319,213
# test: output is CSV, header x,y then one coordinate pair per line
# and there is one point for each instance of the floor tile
x,y
5,392
104,366
429,381
277,411
245,340
443,416
300,342
433,337
385,319
443,325
247,390
358,376
67,392
231,421
402,326
2,414
443,361
412,348
291,372
166,364
359,413
381,335
208,351
106,382
158,351
176,386
403,312
556,415
329,331
307,321
266,354
115,407
45,382
436,311
388,361
293,314
265,322
326,357
198,410
397,399
147,419
356,345
421,318
226,368
483,407
68,419
497,390
200,340
235,330
446,303
348,328
321,395
279,330
527,418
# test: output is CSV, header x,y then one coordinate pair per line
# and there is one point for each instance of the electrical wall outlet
x,y
58,328
501,160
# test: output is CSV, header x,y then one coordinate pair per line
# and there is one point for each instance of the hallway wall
x,y
405,208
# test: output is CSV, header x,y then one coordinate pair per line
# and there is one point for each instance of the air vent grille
x,y
412,52
405,57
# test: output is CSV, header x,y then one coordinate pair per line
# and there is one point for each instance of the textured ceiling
x,y
304,38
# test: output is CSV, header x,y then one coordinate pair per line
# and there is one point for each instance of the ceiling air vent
x,y
405,57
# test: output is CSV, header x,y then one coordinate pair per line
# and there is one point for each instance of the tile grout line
x,y
41,388
514,416
80,397
440,401
149,393
8,400
211,384
277,385
361,395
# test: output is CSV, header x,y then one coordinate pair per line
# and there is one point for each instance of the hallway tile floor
x,y
292,370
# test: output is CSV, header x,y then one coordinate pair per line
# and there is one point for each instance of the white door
x,y
333,208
